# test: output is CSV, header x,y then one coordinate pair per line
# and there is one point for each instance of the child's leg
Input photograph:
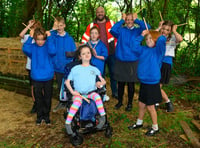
x,y
96,97
131,90
121,86
153,114
139,122
77,101
48,92
142,110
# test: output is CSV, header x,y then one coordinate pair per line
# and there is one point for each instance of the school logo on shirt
x,y
92,72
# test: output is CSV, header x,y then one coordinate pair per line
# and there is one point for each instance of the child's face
x,y
149,41
129,21
61,28
85,54
40,40
94,35
166,30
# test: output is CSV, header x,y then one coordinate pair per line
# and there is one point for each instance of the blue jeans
x,y
110,61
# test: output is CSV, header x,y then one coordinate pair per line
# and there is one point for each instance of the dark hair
x,y
97,28
36,24
168,23
39,31
78,51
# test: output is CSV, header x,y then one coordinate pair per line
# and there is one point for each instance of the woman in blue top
x,y
41,54
150,60
126,60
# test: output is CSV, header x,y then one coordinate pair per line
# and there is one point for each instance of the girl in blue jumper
x,y
41,53
64,43
150,60
100,52
167,28
126,60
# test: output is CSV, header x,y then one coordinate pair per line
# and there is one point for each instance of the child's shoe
x,y
47,121
69,129
39,121
151,132
118,105
128,108
135,126
102,121
169,107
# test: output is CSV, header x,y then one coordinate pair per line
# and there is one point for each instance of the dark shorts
x,y
125,71
165,73
150,94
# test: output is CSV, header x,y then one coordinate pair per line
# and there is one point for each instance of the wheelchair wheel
x,y
77,139
108,132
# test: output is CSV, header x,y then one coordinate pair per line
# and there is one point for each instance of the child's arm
x,y
161,45
50,44
24,31
178,37
140,23
74,93
100,83
104,53
27,46
136,43
160,25
115,30
70,48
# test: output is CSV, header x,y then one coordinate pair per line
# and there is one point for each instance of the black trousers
x,y
43,95
131,90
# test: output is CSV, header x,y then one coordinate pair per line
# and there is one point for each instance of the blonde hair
x,y
60,20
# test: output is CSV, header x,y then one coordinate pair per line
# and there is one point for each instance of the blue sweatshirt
x,y
150,60
63,44
41,59
101,50
124,37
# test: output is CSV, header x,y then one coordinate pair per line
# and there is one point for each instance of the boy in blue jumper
x,y
126,60
64,44
41,53
150,60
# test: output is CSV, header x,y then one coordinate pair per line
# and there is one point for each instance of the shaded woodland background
x,y
79,13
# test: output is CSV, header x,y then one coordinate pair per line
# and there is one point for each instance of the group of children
x,y
49,53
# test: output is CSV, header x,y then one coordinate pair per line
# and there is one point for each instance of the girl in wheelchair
x,y
84,81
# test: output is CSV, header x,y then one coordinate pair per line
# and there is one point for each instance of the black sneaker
x,y
128,108
59,107
115,96
169,107
47,121
151,132
135,126
39,121
118,105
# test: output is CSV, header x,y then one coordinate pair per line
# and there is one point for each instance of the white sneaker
x,y
106,98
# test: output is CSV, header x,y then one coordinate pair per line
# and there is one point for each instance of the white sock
x,y
139,122
155,126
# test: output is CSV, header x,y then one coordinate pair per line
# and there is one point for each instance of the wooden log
x,y
190,135
196,124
